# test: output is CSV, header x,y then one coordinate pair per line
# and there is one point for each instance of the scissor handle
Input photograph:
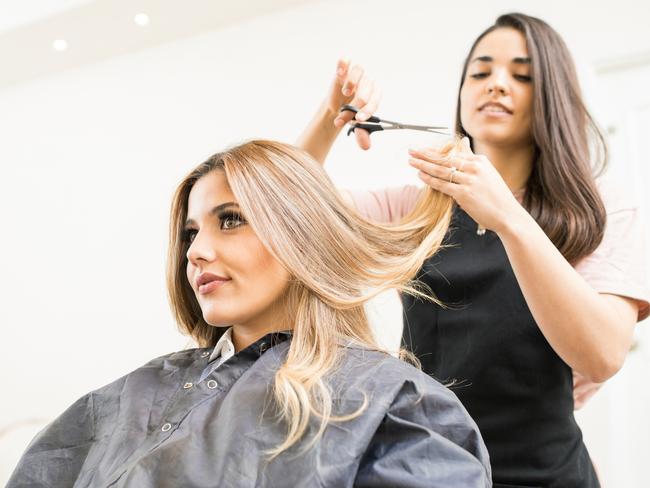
x,y
367,127
354,110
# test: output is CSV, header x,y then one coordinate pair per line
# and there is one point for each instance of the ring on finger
x,y
452,172
458,162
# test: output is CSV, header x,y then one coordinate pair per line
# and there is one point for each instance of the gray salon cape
x,y
164,426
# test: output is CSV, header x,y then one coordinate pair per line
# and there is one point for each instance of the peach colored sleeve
x,y
386,205
619,264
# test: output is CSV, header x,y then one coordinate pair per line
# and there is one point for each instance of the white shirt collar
x,y
224,349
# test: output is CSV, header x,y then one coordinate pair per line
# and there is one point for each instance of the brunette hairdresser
x,y
560,193
558,280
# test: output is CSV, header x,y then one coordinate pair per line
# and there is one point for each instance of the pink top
x,y
617,266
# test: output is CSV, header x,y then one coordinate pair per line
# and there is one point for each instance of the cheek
x,y
271,276
256,269
525,109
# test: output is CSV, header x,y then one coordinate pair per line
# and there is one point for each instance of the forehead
x,y
209,191
502,45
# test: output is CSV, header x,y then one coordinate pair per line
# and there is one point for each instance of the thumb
x,y
465,144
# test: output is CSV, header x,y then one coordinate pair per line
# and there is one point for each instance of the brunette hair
x,y
570,150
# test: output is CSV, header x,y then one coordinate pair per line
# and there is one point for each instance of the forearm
x,y
586,330
319,135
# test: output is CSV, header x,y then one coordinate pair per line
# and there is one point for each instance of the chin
x,y
217,316
495,136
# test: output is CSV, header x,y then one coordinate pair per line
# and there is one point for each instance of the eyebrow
x,y
215,210
489,59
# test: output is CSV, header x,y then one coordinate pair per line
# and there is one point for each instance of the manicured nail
x,y
362,116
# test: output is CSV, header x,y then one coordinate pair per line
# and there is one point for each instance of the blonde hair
x,y
337,261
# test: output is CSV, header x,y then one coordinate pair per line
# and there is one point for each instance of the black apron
x,y
487,347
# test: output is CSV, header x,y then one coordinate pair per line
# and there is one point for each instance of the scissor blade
x,y
423,127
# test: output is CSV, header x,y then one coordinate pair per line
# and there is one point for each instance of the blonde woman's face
x,y
496,99
235,278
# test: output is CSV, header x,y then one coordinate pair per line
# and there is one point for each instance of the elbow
x,y
604,368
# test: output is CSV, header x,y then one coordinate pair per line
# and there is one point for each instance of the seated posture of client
x,y
269,271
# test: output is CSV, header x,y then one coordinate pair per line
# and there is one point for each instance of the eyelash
x,y
225,216
190,234
523,78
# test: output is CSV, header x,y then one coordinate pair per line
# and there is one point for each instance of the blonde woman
x,y
269,272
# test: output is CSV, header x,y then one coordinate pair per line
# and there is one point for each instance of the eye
x,y
189,235
524,78
478,76
231,220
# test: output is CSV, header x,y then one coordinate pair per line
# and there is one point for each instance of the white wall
x,y
89,160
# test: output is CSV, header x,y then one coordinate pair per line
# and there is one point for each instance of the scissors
x,y
374,124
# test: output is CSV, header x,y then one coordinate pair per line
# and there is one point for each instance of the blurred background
x,y
105,105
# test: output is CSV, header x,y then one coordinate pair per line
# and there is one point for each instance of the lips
x,y
494,107
208,282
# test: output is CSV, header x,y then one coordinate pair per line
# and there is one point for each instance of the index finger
x,y
342,67
343,118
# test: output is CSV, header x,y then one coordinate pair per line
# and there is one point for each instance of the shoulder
x,y
420,416
618,265
152,372
386,376
177,358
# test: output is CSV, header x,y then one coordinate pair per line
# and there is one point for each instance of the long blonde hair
x,y
337,261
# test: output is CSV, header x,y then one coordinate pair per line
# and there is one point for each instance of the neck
x,y
245,334
514,164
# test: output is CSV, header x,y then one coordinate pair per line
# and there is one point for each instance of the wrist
x,y
516,222
326,113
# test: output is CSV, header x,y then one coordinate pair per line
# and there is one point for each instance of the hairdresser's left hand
x,y
476,186
583,390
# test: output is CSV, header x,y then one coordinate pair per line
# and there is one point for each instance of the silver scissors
x,y
374,124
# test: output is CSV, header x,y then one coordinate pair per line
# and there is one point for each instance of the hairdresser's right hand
x,y
353,86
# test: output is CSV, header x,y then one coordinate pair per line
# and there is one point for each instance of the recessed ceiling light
x,y
60,45
141,19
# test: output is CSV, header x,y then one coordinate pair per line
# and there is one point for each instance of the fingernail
x,y
362,116
347,92
338,122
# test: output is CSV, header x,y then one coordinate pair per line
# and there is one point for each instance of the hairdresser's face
x,y
234,277
497,95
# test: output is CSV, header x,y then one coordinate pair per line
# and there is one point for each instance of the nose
x,y
498,83
201,250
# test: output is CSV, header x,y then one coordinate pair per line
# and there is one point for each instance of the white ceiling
x,y
14,14
607,33
99,29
